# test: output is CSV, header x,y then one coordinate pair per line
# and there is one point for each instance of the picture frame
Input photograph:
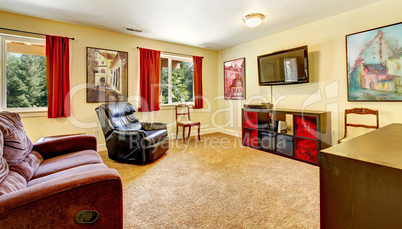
x,y
374,64
107,75
234,79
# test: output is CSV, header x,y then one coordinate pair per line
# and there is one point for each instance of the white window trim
x,y
173,57
37,111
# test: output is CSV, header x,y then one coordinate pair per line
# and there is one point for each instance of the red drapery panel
x,y
150,70
58,76
198,98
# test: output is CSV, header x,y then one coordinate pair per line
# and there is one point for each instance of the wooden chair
x,y
184,110
359,111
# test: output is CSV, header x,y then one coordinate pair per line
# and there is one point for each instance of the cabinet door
x,y
305,126
284,145
250,119
306,149
250,137
267,140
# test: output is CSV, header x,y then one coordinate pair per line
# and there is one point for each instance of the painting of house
x,y
374,64
234,79
106,75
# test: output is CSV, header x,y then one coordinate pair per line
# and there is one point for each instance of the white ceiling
x,y
210,24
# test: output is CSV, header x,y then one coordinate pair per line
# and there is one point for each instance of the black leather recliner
x,y
128,140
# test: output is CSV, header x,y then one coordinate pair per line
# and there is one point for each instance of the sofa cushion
x,y
68,172
3,168
154,136
3,162
27,167
12,182
67,161
17,145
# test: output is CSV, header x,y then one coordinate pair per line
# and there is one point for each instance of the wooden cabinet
x,y
361,181
307,132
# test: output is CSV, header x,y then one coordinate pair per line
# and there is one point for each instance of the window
x,y
23,73
177,80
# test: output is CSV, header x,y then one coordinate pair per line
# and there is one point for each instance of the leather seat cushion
x,y
131,126
154,136
68,172
67,161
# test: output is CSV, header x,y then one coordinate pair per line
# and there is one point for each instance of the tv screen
x,y
283,67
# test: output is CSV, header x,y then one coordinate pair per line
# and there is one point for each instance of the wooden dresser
x,y
361,181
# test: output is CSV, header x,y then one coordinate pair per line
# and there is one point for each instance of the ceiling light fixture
x,y
254,19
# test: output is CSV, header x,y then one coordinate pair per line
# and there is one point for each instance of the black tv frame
x,y
306,67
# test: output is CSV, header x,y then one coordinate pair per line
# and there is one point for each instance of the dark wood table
x,y
361,181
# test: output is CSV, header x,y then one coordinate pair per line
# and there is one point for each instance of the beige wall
x,y
327,89
84,119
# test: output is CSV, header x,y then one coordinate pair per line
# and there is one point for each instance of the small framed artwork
x,y
374,64
234,79
107,75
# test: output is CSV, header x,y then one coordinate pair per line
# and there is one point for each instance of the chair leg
x,y
184,131
189,131
177,131
199,127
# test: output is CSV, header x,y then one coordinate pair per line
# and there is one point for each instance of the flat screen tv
x,y
283,67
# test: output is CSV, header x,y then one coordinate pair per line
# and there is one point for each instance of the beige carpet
x,y
218,183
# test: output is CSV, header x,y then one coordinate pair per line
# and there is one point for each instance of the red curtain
x,y
58,76
150,70
198,103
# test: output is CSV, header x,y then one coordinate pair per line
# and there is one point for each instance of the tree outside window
x,y
25,73
177,80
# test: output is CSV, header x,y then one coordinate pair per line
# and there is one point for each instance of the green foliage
x,y
182,83
26,80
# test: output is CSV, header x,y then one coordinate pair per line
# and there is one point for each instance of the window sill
x,y
172,106
28,113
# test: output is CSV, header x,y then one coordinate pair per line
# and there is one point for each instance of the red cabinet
x,y
250,119
308,132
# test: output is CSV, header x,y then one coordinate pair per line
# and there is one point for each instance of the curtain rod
x,y
174,53
22,31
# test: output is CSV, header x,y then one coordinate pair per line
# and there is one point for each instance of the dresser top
x,y
382,147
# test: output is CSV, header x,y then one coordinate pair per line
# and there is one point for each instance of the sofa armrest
x,y
58,201
154,125
66,145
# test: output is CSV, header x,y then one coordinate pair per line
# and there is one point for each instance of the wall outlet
x,y
96,132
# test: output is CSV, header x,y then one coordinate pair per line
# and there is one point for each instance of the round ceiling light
x,y
254,19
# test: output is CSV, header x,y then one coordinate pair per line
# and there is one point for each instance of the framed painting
x,y
107,74
374,64
234,79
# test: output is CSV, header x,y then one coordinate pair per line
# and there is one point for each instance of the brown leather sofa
x,y
62,183
127,139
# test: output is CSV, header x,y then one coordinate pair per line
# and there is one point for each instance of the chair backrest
x,y
120,116
182,110
359,111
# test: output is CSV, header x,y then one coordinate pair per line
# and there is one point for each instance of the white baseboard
x,y
102,147
230,132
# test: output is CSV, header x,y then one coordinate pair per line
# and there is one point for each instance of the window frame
x,y
170,58
3,79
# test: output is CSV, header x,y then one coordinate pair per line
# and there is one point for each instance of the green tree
x,y
26,80
182,83
165,85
